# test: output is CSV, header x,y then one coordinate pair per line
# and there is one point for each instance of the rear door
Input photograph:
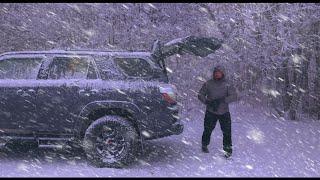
x,y
137,69
18,86
60,92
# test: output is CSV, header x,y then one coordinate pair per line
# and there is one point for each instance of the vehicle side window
x,y
108,68
20,68
71,68
135,67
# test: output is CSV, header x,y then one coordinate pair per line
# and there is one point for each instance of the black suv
x,y
107,102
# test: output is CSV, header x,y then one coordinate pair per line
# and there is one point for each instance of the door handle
x,y
31,91
27,93
20,92
94,91
87,92
84,92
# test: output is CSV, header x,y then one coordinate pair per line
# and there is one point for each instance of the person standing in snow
x,y
216,94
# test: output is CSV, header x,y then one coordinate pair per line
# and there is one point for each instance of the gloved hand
x,y
214,103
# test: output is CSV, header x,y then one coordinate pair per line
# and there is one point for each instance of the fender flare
x,y
82,120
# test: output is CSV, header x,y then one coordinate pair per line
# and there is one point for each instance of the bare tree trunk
x,y
317,83
316,28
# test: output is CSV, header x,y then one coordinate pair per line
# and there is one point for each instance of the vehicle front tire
x,y
110,141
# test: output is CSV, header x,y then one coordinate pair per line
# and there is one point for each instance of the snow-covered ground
x,y
263,146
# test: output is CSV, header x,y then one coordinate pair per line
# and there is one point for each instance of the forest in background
x,y
271,50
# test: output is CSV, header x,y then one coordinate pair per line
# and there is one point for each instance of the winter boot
x,y
227,155
227,151
205,149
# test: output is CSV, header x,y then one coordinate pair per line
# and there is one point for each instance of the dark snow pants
x,y
210,121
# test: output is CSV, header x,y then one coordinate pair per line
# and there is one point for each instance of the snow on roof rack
x,y
101,50
31,52
70,51
109,50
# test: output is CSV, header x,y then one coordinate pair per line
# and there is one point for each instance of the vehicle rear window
x,y
71,68
20,68
134,67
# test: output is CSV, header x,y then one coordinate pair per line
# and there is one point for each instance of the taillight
x,y
168,94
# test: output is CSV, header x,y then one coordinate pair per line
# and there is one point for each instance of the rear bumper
x,y
166,122
174,129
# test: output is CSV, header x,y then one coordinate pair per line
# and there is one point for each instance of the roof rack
x,y
70,50
109,50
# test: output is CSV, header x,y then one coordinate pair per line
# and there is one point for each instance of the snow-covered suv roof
x,y
90,52
199,46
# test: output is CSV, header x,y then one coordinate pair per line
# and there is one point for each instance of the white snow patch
x,y
89,32
169,70
256,135
201,79
145,133
249,166
22,167
296,59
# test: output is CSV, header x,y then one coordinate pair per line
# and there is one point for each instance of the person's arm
x,y
202,95
232,94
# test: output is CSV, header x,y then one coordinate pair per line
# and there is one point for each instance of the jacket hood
x,y
221,68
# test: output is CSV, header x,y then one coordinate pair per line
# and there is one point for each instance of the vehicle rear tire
x,y
110,141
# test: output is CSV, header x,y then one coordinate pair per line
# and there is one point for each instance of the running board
x,y
43,142
52,142
57,146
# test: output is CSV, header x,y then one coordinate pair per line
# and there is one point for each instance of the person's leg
x,y
225,124
210,121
